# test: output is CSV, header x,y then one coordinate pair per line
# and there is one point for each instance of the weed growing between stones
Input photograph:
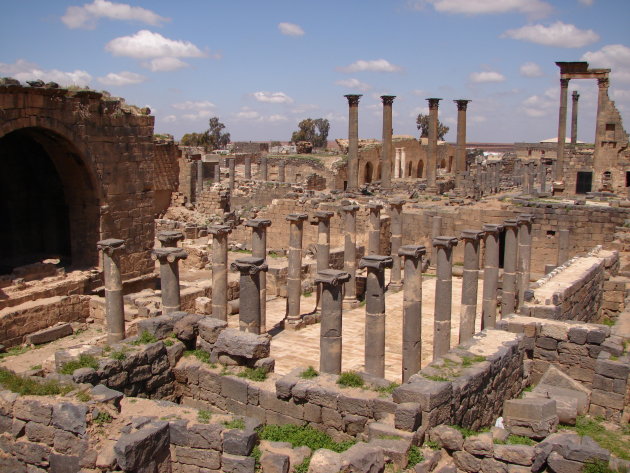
x,y
234,424
83,396
596,466
118,355
84,361
309,373
515,440
36,367
203,416
431,444
385,390
614,441
144,339
30,387
254,374
414,456
13,351
468,432
436,378
103,418
350,379
201,355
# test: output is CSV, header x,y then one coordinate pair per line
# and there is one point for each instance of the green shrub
x,y
203,416
145,338
118,355
299,436
309,373
414,457
234,424
36,367
470,360
201,355
350,379
387,389
31,387
103,418
84,361
596,466
516,440
255,374
432,445
83,396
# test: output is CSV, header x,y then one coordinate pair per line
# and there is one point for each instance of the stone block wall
x,y
166,173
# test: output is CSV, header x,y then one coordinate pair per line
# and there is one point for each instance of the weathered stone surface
x,y
239,442
395,451
186,328
566,405
467,462
554,377
519,454
161,326
33,453
247,345
363,458
31,409
195,435
480,445
85,375
49,334
490,465
138,448
408,416
66,442
101,393
431,459
429,394
274,463
197,457
210,328
37,432
70,417
237,464
447,437
64,463
558,464
325,461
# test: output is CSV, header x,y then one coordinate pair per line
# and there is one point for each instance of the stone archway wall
x,y
108,146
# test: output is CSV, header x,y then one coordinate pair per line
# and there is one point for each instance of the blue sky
x,y
263,66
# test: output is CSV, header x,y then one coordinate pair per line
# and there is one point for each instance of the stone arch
x,y
420,169
409,170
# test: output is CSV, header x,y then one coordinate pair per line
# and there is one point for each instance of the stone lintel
x,y
388,99
321,216
376,262
434,103
249,265
374,206
219,230
492,229
110,245
258,223
170,254
397,202
525,219
353,99
170,237
462,104
412,251
332,276
296,217
471,235
445,241
510,222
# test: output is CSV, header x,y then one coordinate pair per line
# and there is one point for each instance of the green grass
x,y
249,252
31,387
432,445
608,321
307,293
201,355
118,355
515,440
299,436
436,377
470,360
414,457
84,361
309,373
614,441
596,466
14,351
234,424
255,374
36,367
350,379
203,416
145,338
83,396
387,389
103,418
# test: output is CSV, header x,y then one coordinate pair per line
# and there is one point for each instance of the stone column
x,y
395,213
375,313
217,173
403,162
169,238
386,150
600,123
432,142
263,168
542,177
248,167
470,284
563,246
350,251
436,231
460,150
490,275
575,96
219,269
199,177
412,309
353,142
282,177
114,305
524,255
322,220
330,334
232,166
397,164
294,280
562,130
249,312
510,257
259,250
169,276
374,233
443,295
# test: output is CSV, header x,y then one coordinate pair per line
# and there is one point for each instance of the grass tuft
x,y
84,361
145,338
414,457
203,416
234,424
201,355
103,418
350,379
309,373
515,440
255,374
299,436
31,387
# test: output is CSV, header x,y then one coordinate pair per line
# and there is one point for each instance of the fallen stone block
x,y
325,461
447,437
160,326
554,377
566,406
274,463
363,458
138,449
534,418
49,334
233,342
210,328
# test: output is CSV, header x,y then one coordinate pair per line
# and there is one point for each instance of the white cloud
x,y
190,105
122,78
587,3
197,116
531,69
304,108
558,34
536,106
272,97
276,118
145,45
169,119
419,92
613,56
163,64
487,76
532,8
376,65
247,114
354,84
87,15
290,29
23,70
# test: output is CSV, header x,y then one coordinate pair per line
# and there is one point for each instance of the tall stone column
x,y
114,305
397,163
562,130
524,255
375,313
199,177
321,218
436,231
232,168
412,309
350,251
510,258
490,275
443,295
219,269
353,142
330,334
600,123
249,292
470,284
575,96
434,103
563,246
386,150
263,169
248,167
169,276
403,163
169,238
460,150
374,233
259,250
282,177
395,212
294,279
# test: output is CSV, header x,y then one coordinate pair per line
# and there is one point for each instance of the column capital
x,y
168,254
510,223
249,265
388,99
575,95
491,229
412,251
296,217
350,208
322,216
434,103
473,235
376,262
333,277
170,237
258,223
110,245
603,82
353,99
462,104
397,203
374,206
445,241
525,219
219,230
564,83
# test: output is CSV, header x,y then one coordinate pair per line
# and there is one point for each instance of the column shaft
x,y
353,142
436,231
248,167
396,241
470,284
249,292
412,310
232,168
574,116
168,258
350,251
443,295
510,258
386,151
524,255
374,232
259,250
114,305
199,177
490,276
432,142
562,130
330,341
294,279
219,270
263,168
460,150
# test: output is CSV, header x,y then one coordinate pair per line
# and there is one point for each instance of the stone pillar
x,y
386,150
443,295
375,313
524,255
249,312
460,150
412,309
542,177
169,276
403,163
263,168
217,173
232,166
114,305
490,275
436,231
322,220
397,163
330,334
294,279
563,246
432,142
350,251
395,213
510,257
353,142
248,167
562,130
281,172
470,284
169,238
219,269
600,123
199,177
374,233
575,96
259,250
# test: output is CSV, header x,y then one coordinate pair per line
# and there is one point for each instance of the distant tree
x,y
211,139
423,125
274,144
313,130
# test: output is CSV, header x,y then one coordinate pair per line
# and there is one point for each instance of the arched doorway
x,y
47,201
367,174
420,169
379,176
409,168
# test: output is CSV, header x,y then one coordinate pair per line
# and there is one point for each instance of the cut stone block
x,y
534,418
49,334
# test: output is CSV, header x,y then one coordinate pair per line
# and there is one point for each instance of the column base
x,y
292,324
350,304
395,286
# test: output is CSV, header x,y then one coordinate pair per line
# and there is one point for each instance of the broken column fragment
x,y
114,306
